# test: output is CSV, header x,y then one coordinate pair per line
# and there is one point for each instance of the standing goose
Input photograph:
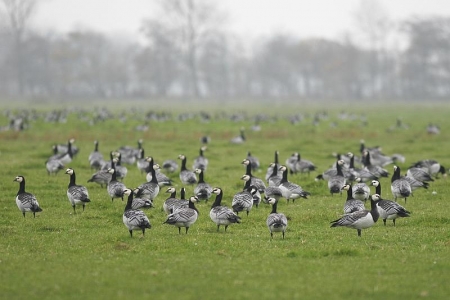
x,y
53,165
360,219
243,201
130,154
149,190
302,165
115,188
121,170
26,202
360,189
362,173
77,194
102,177
66,157
139,203
200,162
141,162
336,182
169,202
351,204
203,190
96,158
162,179
376,170
276,222
134,219
289,189
184,217
257,182
187,177
254,161
222,215
275,177
181,203
388,209
400,186
275,165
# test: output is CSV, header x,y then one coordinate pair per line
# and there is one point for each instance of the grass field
x,y
90,255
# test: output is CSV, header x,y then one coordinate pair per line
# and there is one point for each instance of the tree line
x,y
189,53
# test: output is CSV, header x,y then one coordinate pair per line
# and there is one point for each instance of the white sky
x,y
247,18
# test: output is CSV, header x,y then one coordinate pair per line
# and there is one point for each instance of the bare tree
x,y
18,14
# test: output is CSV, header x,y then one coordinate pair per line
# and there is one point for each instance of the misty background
x,y
186,50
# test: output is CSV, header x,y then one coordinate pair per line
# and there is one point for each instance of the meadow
x,y
90,254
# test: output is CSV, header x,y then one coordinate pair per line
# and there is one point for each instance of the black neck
x,y
183,164
192,205
200,177
218,200
396,174
350,193
154,179
72,179
374,210
129,202
276,158
339,169
284,179
21,187
274,208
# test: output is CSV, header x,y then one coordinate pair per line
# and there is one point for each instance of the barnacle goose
x,y
149,190
243,201
53,165
419,174
184,217
67,157
400,186
433,167
64,148
254,161
142,163
362,173
115,188
169,202
360,219
162,178
257,182
272,192
222,215
77,194
376,170
202,190
289,189
187,177
181,203
121,171
200,162
299,165
273,166
388,210
139,203
130,154
26,202
336,182
170,165
360,189
351,204
102,177
275,177
240,138
134,219
96,158
276,222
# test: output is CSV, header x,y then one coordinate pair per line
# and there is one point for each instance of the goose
x,y
351,204
240,139
181,203
336,182
200,162
222,215
415,184
96,158
274,165
121,170
53,165
67,157
272,192
149,190
303,165
187,177
332,171
130,154
360,189
163,179
374,169
139,203
275,177
115,188
184,217
254,161
77,194
170,165
26,202
360,219
419,174
433,167
362,173
276,222
142,163
203,190
134,219
289,189
257,182
64,148
400,186
102,177
243,201
169,202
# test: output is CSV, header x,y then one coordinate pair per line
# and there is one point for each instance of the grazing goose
x,y
203,190
360,219
149,190
419,174
142,163
257,182
115,188
184,217
362,173
254,161
187,177
433,167
240,139
276,222
273,166
289,189
134,219
77,194
170,165
400,186
243,201
222,215
275,177
130,154
26,202
360,189
351,204
139,203
96,158
300,165
336,182
376,170
200,162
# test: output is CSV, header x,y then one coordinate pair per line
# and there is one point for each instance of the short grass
x,y
90,255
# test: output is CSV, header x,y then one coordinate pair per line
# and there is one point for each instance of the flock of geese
x,y
181,211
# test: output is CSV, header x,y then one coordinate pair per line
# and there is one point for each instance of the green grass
x,y
90,255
